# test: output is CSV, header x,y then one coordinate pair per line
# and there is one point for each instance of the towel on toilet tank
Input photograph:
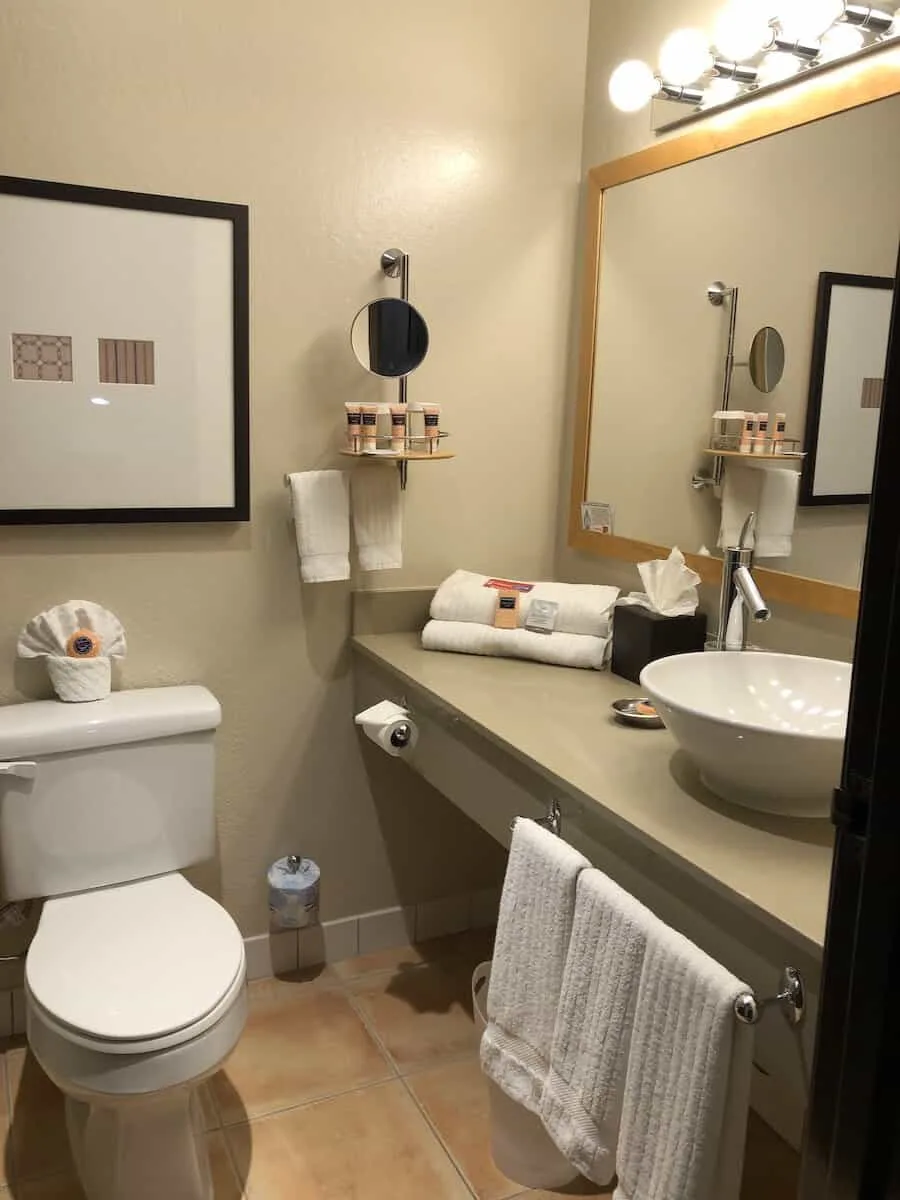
x,y
533,930
584,608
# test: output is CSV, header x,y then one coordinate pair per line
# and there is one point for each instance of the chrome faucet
x,y
738,581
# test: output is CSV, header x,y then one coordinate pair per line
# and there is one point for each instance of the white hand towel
x,y
377,522
777,512
741,490
687,1089
533,931
558,649
322,521
583,608
581,1104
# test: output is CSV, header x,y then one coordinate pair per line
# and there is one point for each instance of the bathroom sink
x,y
766,730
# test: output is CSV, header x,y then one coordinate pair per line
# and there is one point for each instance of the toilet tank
x,y
107,791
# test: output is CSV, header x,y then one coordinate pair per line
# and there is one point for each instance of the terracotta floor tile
x,y
208,1107
371,1145
226,1185
455,1098
471,947
37,1136
582,1188
301,1042
398,958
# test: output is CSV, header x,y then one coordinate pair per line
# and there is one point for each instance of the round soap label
x,y
82,645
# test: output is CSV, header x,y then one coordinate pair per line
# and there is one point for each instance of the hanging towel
x,y
687,1089
741,490
322,522
533,931
581,1104
377,522
777,512
558,649
583,608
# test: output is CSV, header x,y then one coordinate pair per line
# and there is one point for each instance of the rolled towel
x,y
583,608
558,649
687,1089
581,1104
322,520
377,521
533,931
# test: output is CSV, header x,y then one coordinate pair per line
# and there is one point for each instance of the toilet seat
x,y
136,967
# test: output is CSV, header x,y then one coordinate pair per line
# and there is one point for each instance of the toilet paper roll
x,y
390,727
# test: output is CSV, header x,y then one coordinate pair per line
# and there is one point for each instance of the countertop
x,y
557,720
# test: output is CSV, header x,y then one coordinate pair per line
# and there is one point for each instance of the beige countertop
x,y
557,720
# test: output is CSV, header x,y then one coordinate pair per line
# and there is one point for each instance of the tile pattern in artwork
x,y
872,390
43,357
124,360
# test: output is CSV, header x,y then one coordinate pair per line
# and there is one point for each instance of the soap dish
x,y
629,712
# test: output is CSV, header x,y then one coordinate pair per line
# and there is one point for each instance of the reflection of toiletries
x,y
369,440
727,427
83,643
398,428
761,440
354,424
432,413
778,435
748,433
506,615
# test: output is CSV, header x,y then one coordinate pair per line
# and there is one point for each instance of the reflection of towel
x,y
558,649
583,607
582,1101
322,520
377,521
687,1088
533,931
770,492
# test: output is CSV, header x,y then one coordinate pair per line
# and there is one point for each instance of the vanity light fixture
x,y
754,46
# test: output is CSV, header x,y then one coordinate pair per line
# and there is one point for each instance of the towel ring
x,y
791,999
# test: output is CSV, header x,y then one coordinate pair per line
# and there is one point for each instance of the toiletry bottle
x,y
748,433
369,440
778,435
398,428
354,426
761,441
432,414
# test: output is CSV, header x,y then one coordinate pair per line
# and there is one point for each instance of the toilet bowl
x,y
135,995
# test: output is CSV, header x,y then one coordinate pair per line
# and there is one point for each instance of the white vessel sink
x,y
766,730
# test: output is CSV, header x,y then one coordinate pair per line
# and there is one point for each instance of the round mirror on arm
x,y
766,360
389,337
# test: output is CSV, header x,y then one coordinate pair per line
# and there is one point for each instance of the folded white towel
x,y
583,608
558,649
322,521
533,931
687,1089
770,492
377,522
581,1105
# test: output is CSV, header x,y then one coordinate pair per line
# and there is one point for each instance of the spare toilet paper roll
x,y
390,727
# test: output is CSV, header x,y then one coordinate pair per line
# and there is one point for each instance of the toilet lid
x,y
133,962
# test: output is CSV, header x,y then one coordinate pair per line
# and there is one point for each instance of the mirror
x,y
770,206
766,361
389,337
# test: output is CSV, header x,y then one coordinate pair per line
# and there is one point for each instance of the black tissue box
x,y
641,636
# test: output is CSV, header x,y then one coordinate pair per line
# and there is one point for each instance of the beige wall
x,y
617,33
453,130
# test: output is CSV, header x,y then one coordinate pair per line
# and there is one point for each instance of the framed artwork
x,y
124,383
846,387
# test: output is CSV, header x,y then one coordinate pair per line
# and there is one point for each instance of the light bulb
x,y
684,56
777,66
742,29
807,20
632,85
720,91
840,42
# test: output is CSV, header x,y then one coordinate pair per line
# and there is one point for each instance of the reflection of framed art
x,y
124,373
853,317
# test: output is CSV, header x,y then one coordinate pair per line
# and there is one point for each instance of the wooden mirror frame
x,y
850,86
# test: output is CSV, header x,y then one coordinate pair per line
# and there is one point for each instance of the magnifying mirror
x,y
389,337
766,361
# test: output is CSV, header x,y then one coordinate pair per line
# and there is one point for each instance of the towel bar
x,y
552,821
791,999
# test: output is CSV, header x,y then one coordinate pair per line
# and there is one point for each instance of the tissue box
x,y
641,636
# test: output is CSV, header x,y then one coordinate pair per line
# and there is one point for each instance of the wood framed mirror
x,y
664,222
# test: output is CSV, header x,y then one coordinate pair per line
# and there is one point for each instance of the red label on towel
x,y
508,585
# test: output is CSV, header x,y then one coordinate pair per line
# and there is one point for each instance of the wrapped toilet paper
x,y
390,727
77,639
293,892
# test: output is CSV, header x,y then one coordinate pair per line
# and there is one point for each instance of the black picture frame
x,y
828,280
238,216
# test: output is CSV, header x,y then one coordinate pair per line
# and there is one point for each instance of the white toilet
x,y
135,981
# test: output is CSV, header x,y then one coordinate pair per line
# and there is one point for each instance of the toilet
x,y
135,982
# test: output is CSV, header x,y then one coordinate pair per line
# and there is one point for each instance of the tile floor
x,y
359,1083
